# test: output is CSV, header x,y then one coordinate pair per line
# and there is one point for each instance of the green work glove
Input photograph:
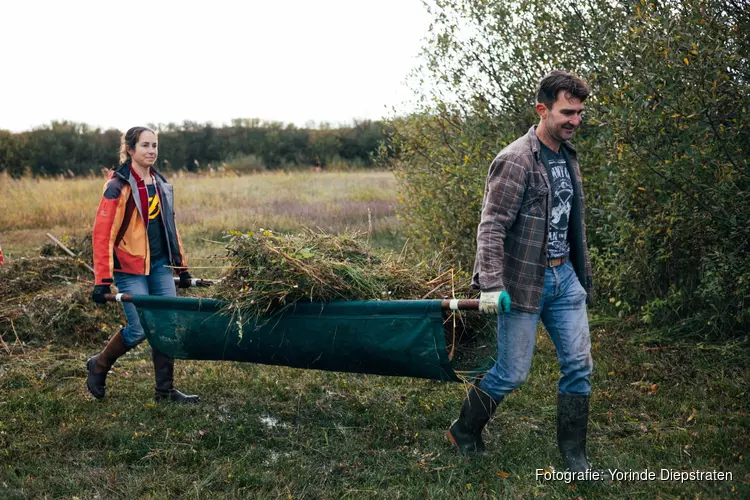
x,y
494,302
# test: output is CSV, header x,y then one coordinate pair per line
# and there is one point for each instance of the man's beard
x,y
560,135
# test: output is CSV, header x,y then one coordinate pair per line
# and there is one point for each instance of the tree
x,y
663,153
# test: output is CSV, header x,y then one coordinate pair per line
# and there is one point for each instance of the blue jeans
x,y
563,312
158,282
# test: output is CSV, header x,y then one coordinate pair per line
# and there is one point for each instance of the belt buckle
x,y
556,262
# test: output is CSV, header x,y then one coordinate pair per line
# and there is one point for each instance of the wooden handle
x,y
112,297
447,304
460,304
67,250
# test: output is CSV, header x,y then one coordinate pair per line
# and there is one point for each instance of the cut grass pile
x,y
47,298
272,270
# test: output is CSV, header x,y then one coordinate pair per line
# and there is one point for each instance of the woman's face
x,y
146,149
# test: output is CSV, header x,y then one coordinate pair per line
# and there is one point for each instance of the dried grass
x,y
47,298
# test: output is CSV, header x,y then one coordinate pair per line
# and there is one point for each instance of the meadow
x,y
207,206
275,432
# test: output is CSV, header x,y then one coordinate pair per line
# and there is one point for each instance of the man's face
x,y
146,149
564,118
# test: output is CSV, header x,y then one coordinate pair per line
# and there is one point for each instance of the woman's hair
x,y
129,140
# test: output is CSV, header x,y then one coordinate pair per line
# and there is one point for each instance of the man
x,y
532,262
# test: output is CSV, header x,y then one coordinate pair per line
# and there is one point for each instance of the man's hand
x,y
98,294
494,302
185,280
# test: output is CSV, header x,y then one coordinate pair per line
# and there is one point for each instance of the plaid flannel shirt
x,y
513,231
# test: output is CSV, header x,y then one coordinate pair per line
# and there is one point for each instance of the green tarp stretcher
x,y
398,338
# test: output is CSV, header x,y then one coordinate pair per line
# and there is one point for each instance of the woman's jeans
x,y
563,312
158,282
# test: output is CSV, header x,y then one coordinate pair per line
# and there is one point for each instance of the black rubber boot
x,y
164,374
572,425
466,432
98,366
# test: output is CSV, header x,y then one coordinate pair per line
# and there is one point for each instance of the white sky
x,y
124,63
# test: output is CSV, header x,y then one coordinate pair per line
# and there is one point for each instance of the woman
x,y
135,242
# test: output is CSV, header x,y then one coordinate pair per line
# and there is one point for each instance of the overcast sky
x,y
125,63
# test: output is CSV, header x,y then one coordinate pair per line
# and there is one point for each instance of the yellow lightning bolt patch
x,y
153,207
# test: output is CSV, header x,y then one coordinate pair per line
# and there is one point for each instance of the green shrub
x,y
663,151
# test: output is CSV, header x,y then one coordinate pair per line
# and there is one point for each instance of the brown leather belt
x,y
556,262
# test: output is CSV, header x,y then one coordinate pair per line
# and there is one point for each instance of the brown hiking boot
x,y
98,366
164,374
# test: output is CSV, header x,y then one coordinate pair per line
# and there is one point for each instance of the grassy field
x,y
274,432
208,206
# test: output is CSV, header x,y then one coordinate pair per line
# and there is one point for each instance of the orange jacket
x,y
120,237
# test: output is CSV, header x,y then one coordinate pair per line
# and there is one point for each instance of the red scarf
x,y
142,193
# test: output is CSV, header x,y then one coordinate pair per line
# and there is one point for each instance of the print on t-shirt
x,y
156,238
562,202
153,206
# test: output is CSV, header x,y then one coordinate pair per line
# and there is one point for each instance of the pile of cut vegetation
x,y
271,271
80,245
47,298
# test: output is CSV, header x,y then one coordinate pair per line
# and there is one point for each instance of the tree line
x,y
73,149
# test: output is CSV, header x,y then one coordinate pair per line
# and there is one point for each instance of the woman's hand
x,y
185,280
98,294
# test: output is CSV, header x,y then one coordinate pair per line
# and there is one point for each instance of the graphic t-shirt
x,y
562,201
156,240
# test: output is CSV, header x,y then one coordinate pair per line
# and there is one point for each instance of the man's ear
x,y
541,110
